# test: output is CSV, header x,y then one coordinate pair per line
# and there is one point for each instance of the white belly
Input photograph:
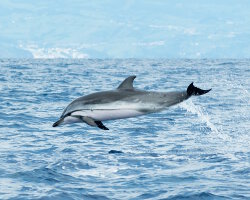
x,y
108,114
70,120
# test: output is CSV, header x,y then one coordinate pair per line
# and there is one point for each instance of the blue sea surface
x,y
199,149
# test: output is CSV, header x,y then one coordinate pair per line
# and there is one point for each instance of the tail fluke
x,y
192,90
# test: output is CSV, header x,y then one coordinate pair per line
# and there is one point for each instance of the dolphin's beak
x,y
58,123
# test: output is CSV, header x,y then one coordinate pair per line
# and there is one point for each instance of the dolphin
x,y
122,102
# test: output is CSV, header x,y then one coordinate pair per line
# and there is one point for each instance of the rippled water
x,y
199,149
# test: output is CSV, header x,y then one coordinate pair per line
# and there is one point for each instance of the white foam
x,y
153,43
54,52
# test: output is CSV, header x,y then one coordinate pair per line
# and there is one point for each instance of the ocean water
x,y
199,149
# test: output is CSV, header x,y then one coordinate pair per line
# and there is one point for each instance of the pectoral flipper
x,y
100,125
92,122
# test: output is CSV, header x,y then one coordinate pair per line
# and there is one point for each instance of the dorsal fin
x,y
127,83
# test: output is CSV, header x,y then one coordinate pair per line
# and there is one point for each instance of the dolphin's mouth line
x,y
94,109
89,109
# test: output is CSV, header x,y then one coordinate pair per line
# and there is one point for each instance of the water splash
x,y
204,117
